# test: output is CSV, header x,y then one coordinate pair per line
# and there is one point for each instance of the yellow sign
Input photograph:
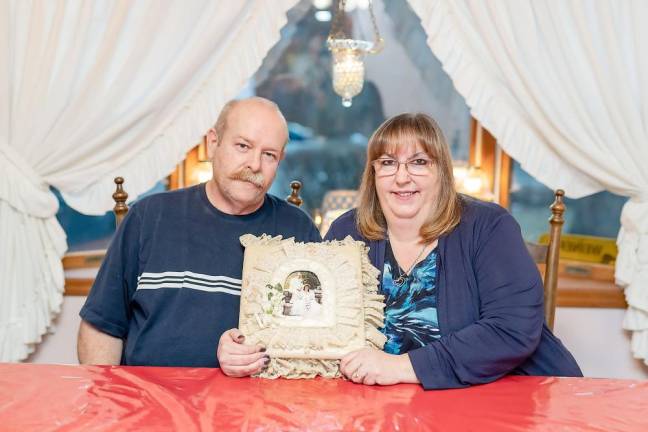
x,y
585,248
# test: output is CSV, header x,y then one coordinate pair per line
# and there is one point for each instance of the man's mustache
x,y
246,175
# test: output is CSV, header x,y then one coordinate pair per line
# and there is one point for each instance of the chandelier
x,y
348,55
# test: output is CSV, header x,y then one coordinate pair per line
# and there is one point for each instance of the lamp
x,y
197,167
459,172
472,179
475,181
348,55
203,172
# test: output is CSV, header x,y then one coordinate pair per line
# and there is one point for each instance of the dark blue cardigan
x,y
490,303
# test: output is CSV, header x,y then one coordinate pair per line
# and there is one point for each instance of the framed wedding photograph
x,y
309,304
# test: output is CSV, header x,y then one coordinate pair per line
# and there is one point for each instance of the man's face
x,y
245,158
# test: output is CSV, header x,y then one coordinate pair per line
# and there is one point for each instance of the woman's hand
x,y
238,360
371,366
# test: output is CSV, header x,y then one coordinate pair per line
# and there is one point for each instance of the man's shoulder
x,y
167,199
291,220
286,209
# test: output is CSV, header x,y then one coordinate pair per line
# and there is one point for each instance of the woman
x,y
464,300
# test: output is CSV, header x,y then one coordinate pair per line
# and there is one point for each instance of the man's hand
x,y
371,366
238,360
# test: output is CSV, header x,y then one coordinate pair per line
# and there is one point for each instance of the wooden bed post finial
x,y
558,208
120,196
294,197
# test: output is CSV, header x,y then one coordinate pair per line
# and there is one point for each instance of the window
x,y
595,215
328,141
85,233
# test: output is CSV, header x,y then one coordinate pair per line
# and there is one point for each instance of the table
x,y
108,398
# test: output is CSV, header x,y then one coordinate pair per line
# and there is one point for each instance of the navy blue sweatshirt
x,y
490,303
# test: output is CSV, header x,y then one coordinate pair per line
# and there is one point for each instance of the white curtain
x,y
96,89
563,86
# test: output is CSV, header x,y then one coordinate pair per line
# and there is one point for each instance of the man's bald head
x,y
245,146
249,106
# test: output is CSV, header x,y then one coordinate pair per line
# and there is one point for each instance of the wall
x,y
594,336
60,347
597,341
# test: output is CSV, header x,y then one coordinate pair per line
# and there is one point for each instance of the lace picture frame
x,y
309,304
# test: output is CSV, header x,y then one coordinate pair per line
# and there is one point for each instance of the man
x,y
169,287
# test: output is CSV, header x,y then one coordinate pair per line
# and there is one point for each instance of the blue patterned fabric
x,y
411,309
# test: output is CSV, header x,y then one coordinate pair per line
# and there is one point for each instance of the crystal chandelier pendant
x,y
348,55
348,74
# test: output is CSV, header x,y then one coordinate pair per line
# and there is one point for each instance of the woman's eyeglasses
x,y
385,167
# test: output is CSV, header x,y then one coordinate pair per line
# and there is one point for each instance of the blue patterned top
x,y
411,309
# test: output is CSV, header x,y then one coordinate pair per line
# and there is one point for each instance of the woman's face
x,y
403,195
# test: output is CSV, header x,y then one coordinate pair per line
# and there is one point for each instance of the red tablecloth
x,y
62,398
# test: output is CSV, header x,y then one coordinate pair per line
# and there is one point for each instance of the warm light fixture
x,y
471,179
317,217
203,172
348,54
459,172
475,181
202,150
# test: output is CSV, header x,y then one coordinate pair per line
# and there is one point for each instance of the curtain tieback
x,y
22,188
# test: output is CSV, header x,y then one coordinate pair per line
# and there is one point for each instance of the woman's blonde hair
x,y
404,129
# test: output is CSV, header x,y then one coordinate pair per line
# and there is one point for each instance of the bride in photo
x,y
303,301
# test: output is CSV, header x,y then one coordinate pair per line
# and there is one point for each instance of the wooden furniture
x,y
121,208
294,197
35,397
120,196
548,256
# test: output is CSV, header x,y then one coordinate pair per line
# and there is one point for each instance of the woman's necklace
x,y
402,278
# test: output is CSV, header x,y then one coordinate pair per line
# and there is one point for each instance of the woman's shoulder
x,y
347,218
476,211
482,217
343,226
